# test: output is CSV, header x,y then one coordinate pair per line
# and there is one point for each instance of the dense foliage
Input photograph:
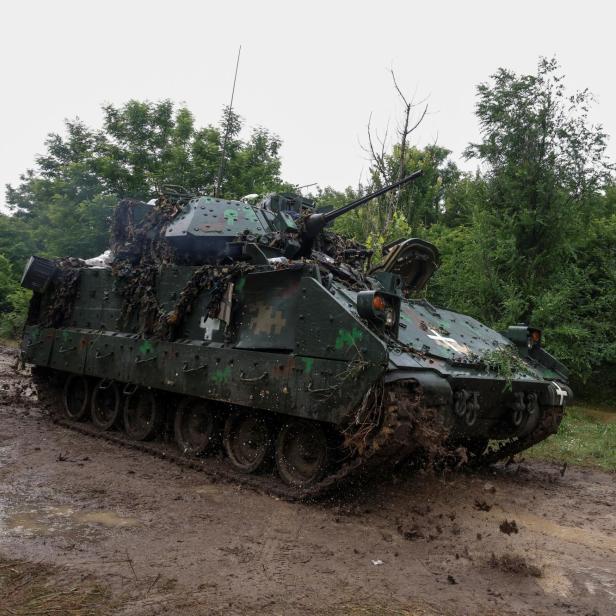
x,y
529,237
63,207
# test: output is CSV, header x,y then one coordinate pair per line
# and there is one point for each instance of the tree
x,y
531,238
544,165
13,301
62,207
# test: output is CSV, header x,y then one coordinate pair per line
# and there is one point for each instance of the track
x,y
405,428
401,418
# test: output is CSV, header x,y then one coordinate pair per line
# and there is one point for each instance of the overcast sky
x,y
312,72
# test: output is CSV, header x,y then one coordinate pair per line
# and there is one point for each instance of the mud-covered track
x,y
401,431
405,429
215,468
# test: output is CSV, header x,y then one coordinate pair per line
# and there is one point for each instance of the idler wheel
x,y
105,404
302,453
76,396
142,415
194,426
247,440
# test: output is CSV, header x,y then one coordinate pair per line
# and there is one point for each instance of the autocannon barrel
x,y
314,223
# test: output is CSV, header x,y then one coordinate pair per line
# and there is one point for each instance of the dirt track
x,y
104,527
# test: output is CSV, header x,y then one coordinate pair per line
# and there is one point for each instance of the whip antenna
x,y
221,168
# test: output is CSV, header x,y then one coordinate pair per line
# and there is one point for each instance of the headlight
x,y
534,337
523,336
379,306
390,317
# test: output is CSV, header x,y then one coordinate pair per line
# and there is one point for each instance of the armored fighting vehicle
x,y
256,331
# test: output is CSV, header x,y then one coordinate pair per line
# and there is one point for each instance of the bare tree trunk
x,y
379,156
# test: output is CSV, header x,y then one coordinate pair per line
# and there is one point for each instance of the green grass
x,y
9,342
587,437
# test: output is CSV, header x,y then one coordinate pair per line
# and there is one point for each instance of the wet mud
x,y
87,527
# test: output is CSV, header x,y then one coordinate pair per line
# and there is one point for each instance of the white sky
x,y
311,71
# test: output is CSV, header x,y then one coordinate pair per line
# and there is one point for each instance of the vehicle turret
x,y
209,230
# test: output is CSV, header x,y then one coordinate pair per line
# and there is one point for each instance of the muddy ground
x,y
87,527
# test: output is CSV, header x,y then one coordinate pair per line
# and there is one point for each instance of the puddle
x,y
213,492
105,518
27,524
572,534
51,520
207,489
554,581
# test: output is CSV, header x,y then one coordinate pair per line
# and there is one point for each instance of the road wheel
x,y
105,404
194,426
302,452
76,396
142,415
247,440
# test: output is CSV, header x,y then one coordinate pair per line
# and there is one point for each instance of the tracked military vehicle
x,y
255,331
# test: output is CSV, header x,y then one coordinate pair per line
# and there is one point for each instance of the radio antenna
x,y
225,140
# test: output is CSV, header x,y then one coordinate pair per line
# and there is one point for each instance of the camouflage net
x,y
141,251
59,310
143,241
215,278
345,250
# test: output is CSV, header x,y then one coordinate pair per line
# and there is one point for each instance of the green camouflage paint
x,y
308,364
347,339
221,375
240,284
231,216
145,347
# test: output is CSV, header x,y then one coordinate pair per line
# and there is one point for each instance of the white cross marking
x,y
209,325
560,392
450,343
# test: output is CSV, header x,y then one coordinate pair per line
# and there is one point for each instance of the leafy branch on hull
x,y
506,363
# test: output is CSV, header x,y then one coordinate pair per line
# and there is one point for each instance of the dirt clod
x,y
508,527
481,505
514,563
410,534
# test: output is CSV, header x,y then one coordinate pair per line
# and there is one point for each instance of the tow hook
x,y
525,411
466,405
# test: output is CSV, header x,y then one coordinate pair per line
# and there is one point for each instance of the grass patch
x,y
35,589
587,437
